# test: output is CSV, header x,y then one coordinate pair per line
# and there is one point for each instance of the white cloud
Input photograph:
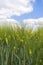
x,y
29,23
33,23
15,7
9,22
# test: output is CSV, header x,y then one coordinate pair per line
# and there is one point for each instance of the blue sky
x,y
36,13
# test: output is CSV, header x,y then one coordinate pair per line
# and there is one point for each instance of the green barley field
x,y
19,46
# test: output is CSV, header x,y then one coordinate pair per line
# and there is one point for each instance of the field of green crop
x,y
19,46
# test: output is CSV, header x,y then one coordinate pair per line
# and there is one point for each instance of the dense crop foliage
x,y
19,46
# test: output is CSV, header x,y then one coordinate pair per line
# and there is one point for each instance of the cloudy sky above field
x,y
20,10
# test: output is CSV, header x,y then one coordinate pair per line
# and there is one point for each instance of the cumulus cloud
x,y
29,23
9,22
33,23
15,7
